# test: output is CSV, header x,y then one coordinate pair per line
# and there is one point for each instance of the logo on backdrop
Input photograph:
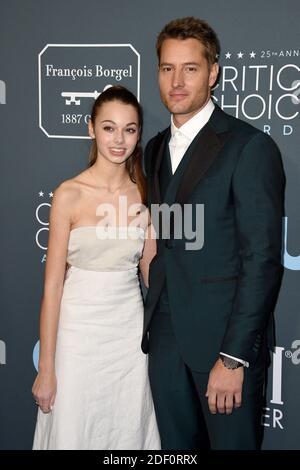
x,y
2,352
273,414
42,218
2,92
72,76
289,261
35,355
261,85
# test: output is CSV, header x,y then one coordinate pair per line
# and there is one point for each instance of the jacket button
x,y
169,244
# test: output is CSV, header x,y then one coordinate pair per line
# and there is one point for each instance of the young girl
x,y
92,387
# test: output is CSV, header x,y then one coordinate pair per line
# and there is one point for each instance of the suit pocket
x,y
208,280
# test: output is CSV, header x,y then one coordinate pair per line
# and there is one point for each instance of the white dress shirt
x,y
181,138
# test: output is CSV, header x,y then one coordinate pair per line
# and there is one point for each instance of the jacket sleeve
x,y
148,156
258,190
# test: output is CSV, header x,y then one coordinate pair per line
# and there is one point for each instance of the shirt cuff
x,y
245,363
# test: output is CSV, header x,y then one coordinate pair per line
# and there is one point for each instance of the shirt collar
x,y
191,128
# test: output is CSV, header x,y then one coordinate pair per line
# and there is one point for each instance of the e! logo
x,y
2,352
2,92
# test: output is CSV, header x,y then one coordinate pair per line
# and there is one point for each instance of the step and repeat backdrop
x,y
55,58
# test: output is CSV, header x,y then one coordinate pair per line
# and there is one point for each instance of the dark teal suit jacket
x,y
222,296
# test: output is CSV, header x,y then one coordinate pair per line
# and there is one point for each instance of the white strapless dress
x,y
103,396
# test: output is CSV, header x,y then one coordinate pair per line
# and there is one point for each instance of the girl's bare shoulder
x,y
71,189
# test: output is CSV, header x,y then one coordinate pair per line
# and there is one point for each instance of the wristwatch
x,y
230,363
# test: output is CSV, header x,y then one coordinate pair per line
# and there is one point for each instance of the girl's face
x,y
116,131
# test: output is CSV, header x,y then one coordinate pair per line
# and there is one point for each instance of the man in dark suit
x,y
208,314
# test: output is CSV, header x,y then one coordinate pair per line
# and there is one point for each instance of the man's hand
x,y
224,388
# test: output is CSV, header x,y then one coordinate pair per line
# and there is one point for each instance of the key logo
x,y
72,76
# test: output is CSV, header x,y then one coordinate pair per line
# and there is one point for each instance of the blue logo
x,y
289,261
35,355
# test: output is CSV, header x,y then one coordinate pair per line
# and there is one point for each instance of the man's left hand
x,y
224,388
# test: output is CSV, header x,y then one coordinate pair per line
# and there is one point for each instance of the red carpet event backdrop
x,y
56,57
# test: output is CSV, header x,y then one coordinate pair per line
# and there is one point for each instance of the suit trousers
x,y
182,412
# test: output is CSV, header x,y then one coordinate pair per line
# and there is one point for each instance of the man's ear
x,y
213,74
91,130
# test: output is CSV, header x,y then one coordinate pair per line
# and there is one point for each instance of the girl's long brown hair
x,y
134,162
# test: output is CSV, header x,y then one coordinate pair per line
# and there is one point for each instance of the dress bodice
x,y
99,248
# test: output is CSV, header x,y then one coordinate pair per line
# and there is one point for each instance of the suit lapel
x,y
210,141
158,151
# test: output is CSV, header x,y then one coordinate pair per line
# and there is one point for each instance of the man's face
x,y
185,77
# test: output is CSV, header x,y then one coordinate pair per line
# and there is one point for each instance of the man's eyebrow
x,y
185,63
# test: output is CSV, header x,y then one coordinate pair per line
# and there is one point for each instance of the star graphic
x,y
41,194
228,55
51,194
240,55
252,55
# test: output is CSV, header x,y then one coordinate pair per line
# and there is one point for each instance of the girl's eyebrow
x,y
113,122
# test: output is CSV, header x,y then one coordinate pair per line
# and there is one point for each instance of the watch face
x,y
230,363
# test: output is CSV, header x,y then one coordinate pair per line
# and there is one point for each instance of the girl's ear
x,y
91,130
